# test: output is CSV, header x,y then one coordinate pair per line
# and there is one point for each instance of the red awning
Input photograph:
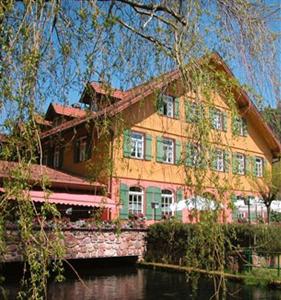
x,y
71,199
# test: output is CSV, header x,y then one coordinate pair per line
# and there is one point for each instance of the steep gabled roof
x,y
100,89
138,93
64,110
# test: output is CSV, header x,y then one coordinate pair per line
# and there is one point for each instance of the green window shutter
x,y
157,199
149,198
235,124
124,201
264,167
159,149
248,161
177,108
233,198
189,155
76,146
179,198
148,147
226,161
203,161
213,159
211,116
178,152
159,104
254,169
188,111
245,127
127,143
153,195
234,209
234,163
253,216
224,119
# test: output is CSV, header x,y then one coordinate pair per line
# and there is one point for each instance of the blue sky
x,y
74,93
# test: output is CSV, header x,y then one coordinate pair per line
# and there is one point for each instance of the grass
x,y
261,277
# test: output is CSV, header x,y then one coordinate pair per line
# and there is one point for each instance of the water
x,y
130,283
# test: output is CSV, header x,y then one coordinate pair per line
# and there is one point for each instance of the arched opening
x,y
135,200
167,199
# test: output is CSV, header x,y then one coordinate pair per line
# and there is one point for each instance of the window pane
x,y
168,151
219,160
135,200
240,164
168,106
137,142
166,201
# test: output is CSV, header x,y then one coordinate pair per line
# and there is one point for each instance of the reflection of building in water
x,y
107,287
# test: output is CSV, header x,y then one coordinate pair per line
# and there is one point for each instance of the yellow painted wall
x,y
143,118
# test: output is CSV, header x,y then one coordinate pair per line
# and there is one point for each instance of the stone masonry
x,y
89,243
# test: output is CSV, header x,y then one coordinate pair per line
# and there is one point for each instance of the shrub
x,y
168,241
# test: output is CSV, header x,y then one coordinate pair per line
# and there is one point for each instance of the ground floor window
x,y
135,200
166,201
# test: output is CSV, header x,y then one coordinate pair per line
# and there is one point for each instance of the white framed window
x,y
196,156
167,198
240,160
135,200
137,145
168,106
217,120
259,166
196,112
240,126
219,160
168,151
56,159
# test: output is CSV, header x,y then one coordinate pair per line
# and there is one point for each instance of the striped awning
x,y
71,199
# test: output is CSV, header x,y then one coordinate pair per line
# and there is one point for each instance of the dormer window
x,y
168,106
239,126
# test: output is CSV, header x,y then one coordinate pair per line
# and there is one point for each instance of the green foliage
x,y
171,241
275,217
261,277
47,47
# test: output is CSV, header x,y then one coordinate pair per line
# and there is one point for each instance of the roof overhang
x,y
245,105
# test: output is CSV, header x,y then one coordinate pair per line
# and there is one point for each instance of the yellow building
x,y
144,144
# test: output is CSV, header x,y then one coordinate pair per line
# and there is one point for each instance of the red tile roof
x,y
56,178
103,89
68,110
140,92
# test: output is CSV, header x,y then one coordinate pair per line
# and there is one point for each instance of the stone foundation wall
x,y
89,243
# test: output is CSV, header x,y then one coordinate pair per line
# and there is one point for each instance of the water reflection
x,y
130,283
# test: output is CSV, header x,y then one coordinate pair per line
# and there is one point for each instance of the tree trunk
x,y
268,213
